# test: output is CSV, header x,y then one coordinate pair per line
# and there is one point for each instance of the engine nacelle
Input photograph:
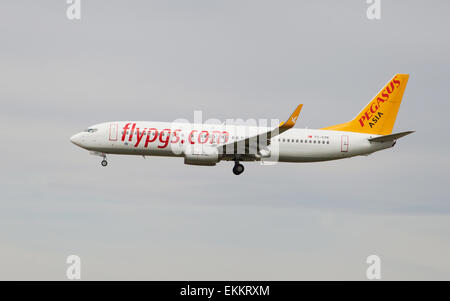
x,y
206,157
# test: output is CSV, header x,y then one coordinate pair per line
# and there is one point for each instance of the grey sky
x,y
158,219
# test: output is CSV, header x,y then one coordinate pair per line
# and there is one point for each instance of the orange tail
x,y
378,117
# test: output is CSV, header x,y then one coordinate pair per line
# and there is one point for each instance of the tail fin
x,y
378,117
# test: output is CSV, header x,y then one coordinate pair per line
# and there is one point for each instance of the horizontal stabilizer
x,y
390,137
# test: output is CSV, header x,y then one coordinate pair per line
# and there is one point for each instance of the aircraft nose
x,y
77,139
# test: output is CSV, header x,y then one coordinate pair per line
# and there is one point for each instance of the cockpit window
x,y
91,130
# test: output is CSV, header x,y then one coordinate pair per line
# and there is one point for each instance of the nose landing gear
x,y
103,155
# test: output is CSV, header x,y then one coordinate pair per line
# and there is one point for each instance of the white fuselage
x,y
172,139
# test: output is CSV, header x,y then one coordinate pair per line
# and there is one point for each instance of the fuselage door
x,y
344,143
113,129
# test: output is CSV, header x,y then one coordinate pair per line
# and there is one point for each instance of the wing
x,y
250,148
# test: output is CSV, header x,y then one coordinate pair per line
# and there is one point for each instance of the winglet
x,y
285,125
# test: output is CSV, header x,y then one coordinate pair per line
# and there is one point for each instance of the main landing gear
x,y
104,162
238,168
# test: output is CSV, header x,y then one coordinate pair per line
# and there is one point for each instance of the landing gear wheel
x,y
238,169
104,163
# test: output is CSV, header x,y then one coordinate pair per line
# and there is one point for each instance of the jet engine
x,y
207,156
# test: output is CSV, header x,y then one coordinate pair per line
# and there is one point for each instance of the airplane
x,y
208,144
